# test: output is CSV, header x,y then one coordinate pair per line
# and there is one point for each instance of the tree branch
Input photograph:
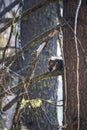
x,y
77,71
9,8
29,11
33,81
11,60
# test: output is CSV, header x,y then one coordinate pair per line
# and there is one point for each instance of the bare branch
x,y
33,81
20,86
77,54
29,11
5,20
9,8
29,45
11,31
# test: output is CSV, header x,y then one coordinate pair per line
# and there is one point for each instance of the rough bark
x,y
70,7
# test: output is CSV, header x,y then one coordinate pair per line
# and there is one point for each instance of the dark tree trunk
x,y
70,56
33,25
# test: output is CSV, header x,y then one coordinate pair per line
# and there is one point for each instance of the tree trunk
x,y
70,56
33,25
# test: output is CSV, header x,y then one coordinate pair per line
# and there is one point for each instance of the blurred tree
x,y
33,25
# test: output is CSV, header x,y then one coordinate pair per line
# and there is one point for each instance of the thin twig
x,y
31,44
29,11
74,34
29,76
33,81
38,51
11,31
77,53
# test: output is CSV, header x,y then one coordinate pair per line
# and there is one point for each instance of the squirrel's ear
x,y
53,58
